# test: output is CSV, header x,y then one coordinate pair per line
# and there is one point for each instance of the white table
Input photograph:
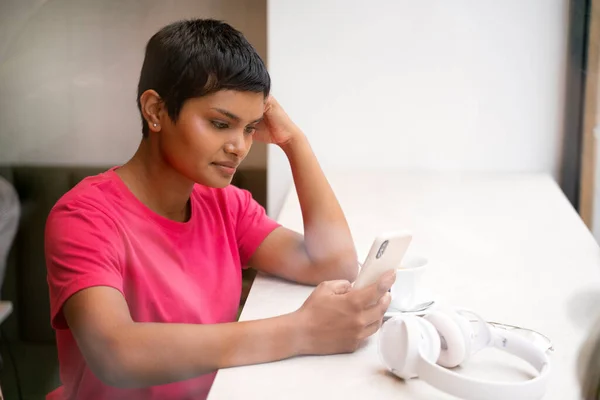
x,y
509,246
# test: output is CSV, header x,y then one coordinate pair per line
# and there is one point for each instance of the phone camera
x,y
382,249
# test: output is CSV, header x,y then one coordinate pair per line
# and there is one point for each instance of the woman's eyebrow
x,y
227,114
233,116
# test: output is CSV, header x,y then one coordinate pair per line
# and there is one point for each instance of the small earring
x,y
154,125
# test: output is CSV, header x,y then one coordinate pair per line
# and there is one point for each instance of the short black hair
x,y
193,58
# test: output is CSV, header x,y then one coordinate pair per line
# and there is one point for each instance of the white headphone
x,y
412,346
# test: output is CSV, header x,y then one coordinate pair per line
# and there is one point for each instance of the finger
x,y
372,328
376,313
271,101
370,295
339,286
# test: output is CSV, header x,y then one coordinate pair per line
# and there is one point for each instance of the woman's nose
x,y
237,145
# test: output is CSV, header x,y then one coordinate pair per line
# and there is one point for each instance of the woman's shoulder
x,y
91,193
84,215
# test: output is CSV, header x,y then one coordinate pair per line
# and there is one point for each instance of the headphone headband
x,y
406,344
466,387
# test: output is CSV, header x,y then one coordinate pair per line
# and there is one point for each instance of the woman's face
x,y
212,135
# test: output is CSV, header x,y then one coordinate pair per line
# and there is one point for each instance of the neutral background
x,y
435,84
69,71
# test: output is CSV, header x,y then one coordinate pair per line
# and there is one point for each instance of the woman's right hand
x,y
337,318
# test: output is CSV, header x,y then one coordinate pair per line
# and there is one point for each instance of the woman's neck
x,y
156,184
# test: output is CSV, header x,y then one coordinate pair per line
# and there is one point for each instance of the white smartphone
x,y
387,252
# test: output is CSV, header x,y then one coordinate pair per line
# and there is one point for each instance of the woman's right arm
x,y
124,353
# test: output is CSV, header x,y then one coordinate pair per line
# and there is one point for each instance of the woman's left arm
x,y
326,250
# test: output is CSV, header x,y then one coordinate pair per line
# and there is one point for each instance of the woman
x,y
144,261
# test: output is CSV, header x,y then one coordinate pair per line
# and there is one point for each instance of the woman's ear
x,y
151,105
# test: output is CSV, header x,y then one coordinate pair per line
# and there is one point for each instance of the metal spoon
x,y
419,307
415,310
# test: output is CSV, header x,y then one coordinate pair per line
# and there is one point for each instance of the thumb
x,y
339,286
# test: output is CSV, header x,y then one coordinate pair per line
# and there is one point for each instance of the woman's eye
x,y
250,130
219,125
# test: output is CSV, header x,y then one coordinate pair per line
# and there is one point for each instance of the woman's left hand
x,y
276,126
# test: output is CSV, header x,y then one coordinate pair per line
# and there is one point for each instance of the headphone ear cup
x,y
452,341
399,341
467,332
430,345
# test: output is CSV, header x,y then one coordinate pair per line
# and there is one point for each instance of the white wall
x,y
430,84
69,72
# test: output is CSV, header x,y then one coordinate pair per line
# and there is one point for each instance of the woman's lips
x,y
227,169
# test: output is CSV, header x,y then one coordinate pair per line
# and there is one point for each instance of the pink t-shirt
x,y
100,234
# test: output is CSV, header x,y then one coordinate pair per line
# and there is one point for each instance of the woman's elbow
x,y
112,368
112,377
111,374
350,270
345,268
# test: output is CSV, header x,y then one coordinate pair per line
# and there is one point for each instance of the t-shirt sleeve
x,y
253,224
81,250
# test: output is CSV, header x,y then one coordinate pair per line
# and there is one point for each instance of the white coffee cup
x,y
405,291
